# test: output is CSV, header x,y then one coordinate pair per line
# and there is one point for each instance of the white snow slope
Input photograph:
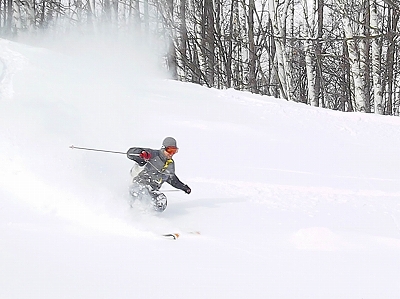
x,y
290,201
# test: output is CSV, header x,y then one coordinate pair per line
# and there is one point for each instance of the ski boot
x,y
158,201
137,192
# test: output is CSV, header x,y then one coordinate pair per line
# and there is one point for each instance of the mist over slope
x,y
291,201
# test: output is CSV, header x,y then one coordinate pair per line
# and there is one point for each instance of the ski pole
x,y
96,150
113,152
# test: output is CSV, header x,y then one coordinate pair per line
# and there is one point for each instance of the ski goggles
x,y
172,150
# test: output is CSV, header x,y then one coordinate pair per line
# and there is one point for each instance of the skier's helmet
x,y
169,142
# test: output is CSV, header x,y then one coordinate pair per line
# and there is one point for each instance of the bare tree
x,y
393,21
338,54
278,15
355,61
376,61
309,49
252,48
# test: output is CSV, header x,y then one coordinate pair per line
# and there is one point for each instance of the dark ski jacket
x,y
157,170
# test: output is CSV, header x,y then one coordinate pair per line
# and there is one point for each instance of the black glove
x,y
187,189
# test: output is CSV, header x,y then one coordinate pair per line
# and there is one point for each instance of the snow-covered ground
x,y
290,201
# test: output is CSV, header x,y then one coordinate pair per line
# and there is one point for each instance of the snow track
x,y
10,63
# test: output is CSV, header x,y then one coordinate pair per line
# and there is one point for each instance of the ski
x,y
173,236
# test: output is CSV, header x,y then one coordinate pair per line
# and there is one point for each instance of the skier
x,y
157,167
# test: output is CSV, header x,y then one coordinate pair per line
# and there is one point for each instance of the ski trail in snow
x,y
10,63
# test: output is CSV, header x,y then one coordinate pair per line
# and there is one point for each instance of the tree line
x,y
337,54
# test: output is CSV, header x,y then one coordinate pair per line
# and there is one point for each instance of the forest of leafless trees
x,y
337,54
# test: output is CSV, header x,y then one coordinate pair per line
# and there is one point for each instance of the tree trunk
x,y
17,25
171,56
280,36
347,86
183,39
9,19
364,50
252,54
393,21
376,62
228,65
309,53
354,60
209,44
319,91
